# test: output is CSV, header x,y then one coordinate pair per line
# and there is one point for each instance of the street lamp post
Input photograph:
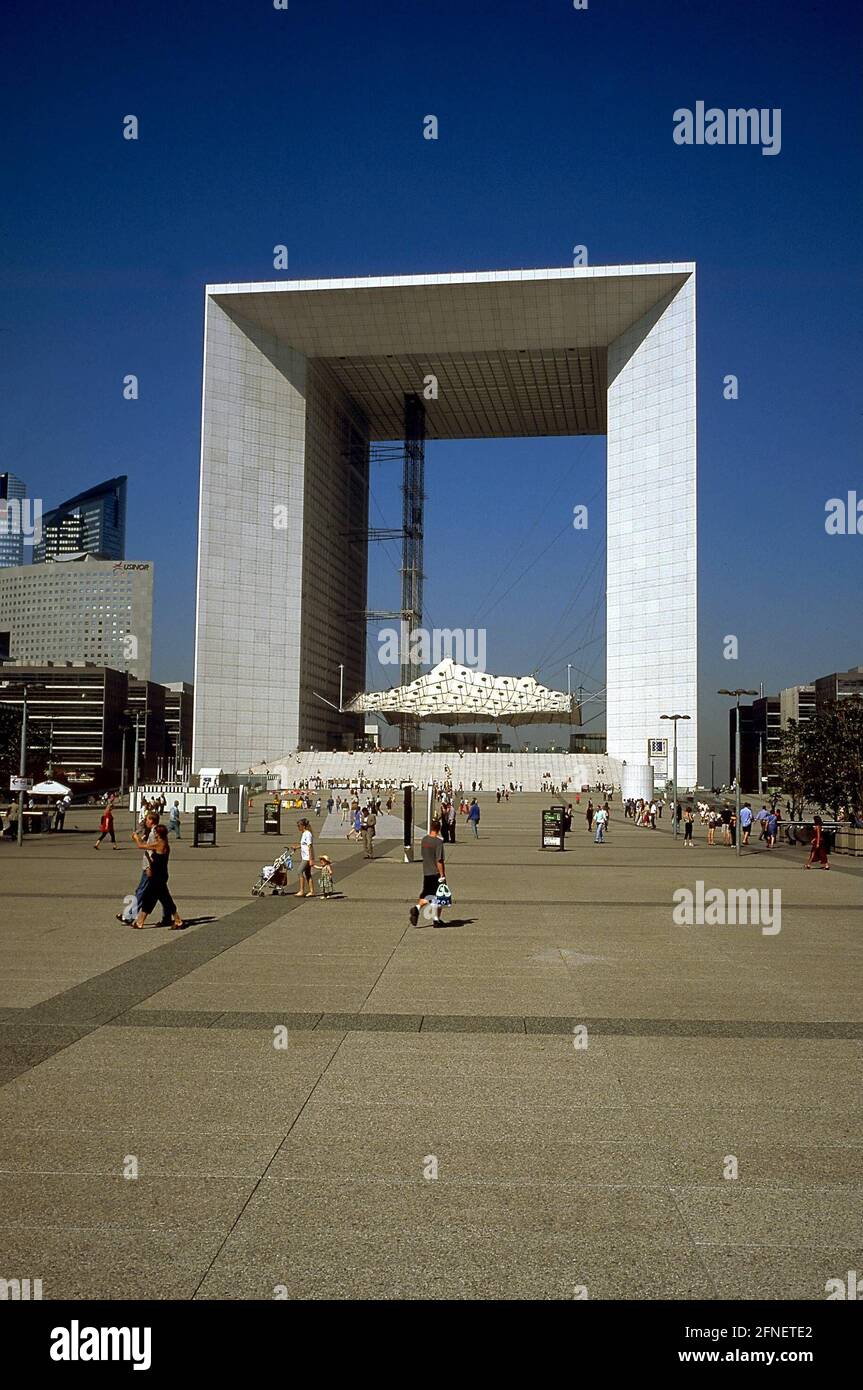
x,y
22,770
135,768
125,729
674,718
713,772
569,698
735,695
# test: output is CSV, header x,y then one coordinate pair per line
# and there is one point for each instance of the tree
x,y
10,746
10,740
789,767
832,746
821,761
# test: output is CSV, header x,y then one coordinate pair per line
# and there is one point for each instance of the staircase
x,y
492,769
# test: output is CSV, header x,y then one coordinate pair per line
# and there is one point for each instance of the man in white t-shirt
x,y
307,860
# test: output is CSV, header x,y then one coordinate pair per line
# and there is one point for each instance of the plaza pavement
x,y
305,1171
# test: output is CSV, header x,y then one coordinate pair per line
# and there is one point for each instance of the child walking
x,y
326,875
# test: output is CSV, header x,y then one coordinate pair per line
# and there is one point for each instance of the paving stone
x,y
379,1023
267,1021
456,1023
107,1262
741,1215
201,1154
165,1018
407,1265
751,1272
79,1200
647,1214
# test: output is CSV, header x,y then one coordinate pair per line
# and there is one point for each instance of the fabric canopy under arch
x,y
451,694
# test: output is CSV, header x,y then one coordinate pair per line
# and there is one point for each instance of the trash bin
x,y
205,826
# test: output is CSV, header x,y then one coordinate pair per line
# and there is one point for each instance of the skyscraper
x,y
11,534
93,523
302,377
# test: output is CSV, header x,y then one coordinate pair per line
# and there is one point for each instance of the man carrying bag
x,y
435,894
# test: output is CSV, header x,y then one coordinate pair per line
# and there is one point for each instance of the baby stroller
x,y
274,876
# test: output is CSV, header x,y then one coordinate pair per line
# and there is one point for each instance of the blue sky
x,y
304,126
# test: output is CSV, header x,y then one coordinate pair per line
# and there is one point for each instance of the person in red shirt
x,y
106,825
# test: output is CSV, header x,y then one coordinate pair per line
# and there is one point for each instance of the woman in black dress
x,y
157,890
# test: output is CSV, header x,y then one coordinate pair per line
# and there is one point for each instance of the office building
x,y
760,730
748,747
92,523
146,706
838,686
74,716
82,609
179,725
767,719
796,702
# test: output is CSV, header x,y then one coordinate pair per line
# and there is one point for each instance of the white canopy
x,y
49,789
450,694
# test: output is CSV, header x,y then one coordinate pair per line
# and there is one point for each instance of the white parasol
x,y
49,789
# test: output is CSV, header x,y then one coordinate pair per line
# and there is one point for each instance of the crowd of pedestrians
x,y
361,820
722,820
447,814
720,823
152,837
642,811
